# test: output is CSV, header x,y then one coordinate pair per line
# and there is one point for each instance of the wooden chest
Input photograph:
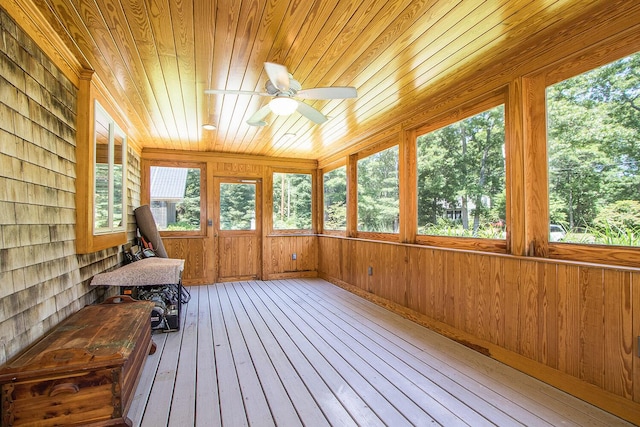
x,y
83,372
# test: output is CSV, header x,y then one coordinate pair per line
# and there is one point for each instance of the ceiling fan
x,y
283,88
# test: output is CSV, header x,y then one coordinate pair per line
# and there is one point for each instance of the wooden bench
x,y
83,372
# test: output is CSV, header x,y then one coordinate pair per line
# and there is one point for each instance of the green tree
x,y
188,209
237,206
461,168
593,133
378,192
335,199
292,201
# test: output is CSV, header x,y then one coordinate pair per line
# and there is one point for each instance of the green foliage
x,y
101,196
181,226
292,201
594,155
188,209
461,168
237,206
612,234
378,192
335,199
623,214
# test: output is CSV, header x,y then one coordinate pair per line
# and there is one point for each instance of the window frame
x,y
146,194
535,86
86,240
113,130
463,112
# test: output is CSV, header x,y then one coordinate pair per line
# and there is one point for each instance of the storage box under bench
x,y
83,372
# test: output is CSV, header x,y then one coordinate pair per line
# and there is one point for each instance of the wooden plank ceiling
x,y
158,56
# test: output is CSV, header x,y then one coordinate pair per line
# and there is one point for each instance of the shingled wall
x,y
42,279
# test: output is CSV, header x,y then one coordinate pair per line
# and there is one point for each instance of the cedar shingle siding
x,y
42,280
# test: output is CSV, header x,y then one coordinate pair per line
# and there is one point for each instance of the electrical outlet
x,y
294,256
370,271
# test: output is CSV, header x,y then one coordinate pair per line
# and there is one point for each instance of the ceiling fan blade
x,y
334,92
257,119
278,75
311,113
234,92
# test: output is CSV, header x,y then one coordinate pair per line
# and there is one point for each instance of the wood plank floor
x,y
305,352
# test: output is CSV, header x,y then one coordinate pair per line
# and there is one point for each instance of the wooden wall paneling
x,y
307,250
367,258
470,288
460,288
347,259
528,310
618,334
324,265
497,318
196,255
482,303
353,258
635,335
371,258
569,319
451,283
420,280
592,325
439,269
549,310
511,301
392,260
330,260
281,248
375,256
278,255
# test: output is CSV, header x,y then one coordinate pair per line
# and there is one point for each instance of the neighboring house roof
x,y
168,184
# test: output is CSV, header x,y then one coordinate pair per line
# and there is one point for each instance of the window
x,y
175,198
109,174
594,156
237,206
335,199
292,201
461,178
378,192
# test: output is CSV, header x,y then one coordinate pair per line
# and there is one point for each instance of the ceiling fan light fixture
x,y
283,106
